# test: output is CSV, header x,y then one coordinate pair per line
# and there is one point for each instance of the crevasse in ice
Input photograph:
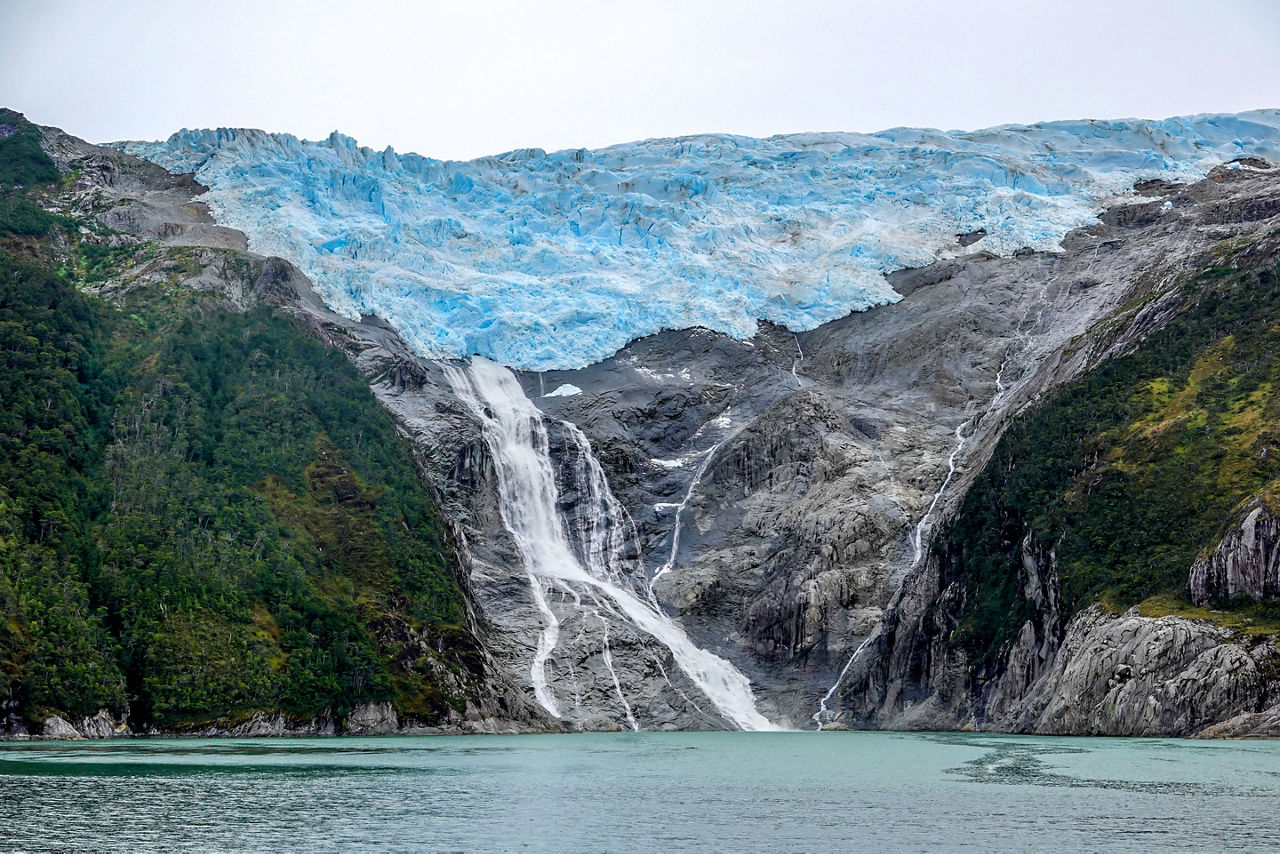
x,y
543,261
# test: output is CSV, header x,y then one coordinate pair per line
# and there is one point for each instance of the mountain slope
x,y
205,515
1065,594
777,493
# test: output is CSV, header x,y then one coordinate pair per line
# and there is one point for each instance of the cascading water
x,y
917,546
678,508
517,437
795,364
917,542
603,525
820,716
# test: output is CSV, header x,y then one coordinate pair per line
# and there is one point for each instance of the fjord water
x,y
831,791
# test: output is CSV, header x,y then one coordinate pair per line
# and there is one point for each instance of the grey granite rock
x,y
144,203
1264,724
372,719
1138,676
801,471
1245,563
102,725
57,727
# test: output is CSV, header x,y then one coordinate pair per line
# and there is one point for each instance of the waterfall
x,y
795,364
601,522
1022,333
678,523
917,547
917,542
820,715
528,497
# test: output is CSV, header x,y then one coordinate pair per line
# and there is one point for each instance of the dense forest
x,y
203,511
1134,469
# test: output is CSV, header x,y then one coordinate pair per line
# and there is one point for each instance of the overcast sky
x,y
465,78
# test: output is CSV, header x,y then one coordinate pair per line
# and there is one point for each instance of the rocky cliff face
x,y
1097,672
1245,563
169,244
783,488
1137,676
802,468
596,655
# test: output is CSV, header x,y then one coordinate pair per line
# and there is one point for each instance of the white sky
x,y
465,78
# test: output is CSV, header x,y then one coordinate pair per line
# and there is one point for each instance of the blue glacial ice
x,y
557,260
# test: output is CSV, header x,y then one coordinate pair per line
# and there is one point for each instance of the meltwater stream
x,y
517,437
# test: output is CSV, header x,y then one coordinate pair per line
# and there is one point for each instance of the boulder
x,y
372,719
56,727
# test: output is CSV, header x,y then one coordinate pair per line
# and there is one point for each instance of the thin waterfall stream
x,y
1022,335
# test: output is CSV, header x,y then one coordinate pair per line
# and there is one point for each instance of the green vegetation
x,y
1133,470
203,512
1244,614
22,162
23,165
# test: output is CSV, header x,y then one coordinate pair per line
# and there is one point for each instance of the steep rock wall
x,y
1245,563
1060,669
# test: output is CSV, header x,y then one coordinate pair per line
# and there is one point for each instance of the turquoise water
x,y
829,791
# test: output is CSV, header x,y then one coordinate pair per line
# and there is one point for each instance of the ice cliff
x,y
557,260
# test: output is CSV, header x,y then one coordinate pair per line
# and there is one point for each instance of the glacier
x,y
541,261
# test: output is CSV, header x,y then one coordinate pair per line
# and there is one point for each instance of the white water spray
x,y
601,523
607,655
514,430
795,364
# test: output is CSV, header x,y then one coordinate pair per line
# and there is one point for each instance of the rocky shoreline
x,y
366,719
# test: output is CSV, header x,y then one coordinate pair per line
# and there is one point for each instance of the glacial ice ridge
x,y
542,261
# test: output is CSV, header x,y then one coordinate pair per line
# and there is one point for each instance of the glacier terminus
x,y
542,261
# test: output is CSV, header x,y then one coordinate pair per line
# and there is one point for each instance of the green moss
x,y
1253,618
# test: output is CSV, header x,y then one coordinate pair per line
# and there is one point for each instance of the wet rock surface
x,y
1096,673
144,204
798,471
